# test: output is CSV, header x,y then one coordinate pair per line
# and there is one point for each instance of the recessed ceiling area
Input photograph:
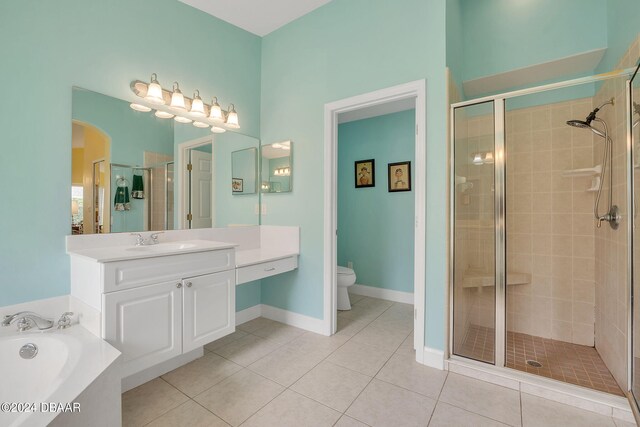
x,y
377,110
259,17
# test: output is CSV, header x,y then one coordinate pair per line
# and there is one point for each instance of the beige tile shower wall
x,y
612,299
550,233
156,191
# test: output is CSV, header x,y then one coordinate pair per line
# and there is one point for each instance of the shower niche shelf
x,y
480,279
576,173
594,172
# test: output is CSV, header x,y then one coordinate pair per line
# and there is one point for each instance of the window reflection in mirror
x,y
127,176
277,167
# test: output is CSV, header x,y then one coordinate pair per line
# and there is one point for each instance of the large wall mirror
x,y
133,171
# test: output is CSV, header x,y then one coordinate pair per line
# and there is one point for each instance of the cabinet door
x,y
145,324
209,308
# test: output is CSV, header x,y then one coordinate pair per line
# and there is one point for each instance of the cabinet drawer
x,y
265,269
140,272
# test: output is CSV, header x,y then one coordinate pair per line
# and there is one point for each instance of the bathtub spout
x,y
26,318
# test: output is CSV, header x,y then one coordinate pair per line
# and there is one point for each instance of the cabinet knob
x,y
179,285
189,284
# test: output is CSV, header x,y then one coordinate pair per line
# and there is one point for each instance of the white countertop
x,y
123,253
256,256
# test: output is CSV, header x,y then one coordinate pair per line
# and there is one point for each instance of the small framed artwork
x,y
237,185
365,172
399,177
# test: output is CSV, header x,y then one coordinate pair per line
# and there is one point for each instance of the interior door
x,y
200,189
209,308
635,238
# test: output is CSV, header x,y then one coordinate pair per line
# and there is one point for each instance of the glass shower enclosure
x,y
538,283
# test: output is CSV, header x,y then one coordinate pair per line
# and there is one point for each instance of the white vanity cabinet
x,y
156,308
157,322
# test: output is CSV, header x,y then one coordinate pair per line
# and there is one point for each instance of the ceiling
x,y
259,17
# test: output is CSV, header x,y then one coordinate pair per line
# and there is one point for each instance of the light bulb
x,y
197,106
216,129
488,158
154,91
232,118
477,159
181,119
215,113
200,125
139,107
163,115
177,98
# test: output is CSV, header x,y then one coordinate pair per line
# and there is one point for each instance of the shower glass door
x,y
635,172
473,198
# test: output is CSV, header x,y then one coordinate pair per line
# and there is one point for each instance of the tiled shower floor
x,y
571,363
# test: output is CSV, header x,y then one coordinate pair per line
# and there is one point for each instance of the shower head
x,y
579,124
586,124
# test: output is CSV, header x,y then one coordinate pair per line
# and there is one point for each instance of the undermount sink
x,y
164,247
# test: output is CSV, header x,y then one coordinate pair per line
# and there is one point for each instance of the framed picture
x,y
237,185
399,177
365,173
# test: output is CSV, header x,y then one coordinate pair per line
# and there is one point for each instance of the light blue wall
x,y
455,46
346,48
375,227
503,35
247,295
50,46
623,18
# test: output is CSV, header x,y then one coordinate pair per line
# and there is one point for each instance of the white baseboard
x,y
247,314
433,358
293,319
283,316
381,293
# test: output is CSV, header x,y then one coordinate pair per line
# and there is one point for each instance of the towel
x,y
137,190
121,201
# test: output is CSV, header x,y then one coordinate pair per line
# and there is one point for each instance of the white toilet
x,y
346,278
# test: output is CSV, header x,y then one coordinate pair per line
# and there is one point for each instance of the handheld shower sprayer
x,y
612,216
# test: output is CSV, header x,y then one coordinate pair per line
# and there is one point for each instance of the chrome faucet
x,y
65,320
154,237
139,239
26,320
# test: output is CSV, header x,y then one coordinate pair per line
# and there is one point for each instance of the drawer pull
x,y
189,284
269,269
178,285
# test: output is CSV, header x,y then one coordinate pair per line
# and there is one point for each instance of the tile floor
x,y
571,363
271,374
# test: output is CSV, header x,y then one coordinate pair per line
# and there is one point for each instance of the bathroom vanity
x,y
161,303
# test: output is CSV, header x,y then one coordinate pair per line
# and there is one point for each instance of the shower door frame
x,y
499,105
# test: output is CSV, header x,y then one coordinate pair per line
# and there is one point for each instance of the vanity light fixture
x,y
139,107
154,91
232,118
200,125
163,115
286,171
215,112
177,98
181,108
197,106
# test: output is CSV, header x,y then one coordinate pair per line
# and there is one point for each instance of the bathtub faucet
x,y
26,319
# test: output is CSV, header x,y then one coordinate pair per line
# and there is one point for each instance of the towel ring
x,y
122,182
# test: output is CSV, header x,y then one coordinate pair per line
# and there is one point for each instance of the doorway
x,y
415,93
195,170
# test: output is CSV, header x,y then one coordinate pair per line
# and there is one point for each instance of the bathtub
x,y
68,364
